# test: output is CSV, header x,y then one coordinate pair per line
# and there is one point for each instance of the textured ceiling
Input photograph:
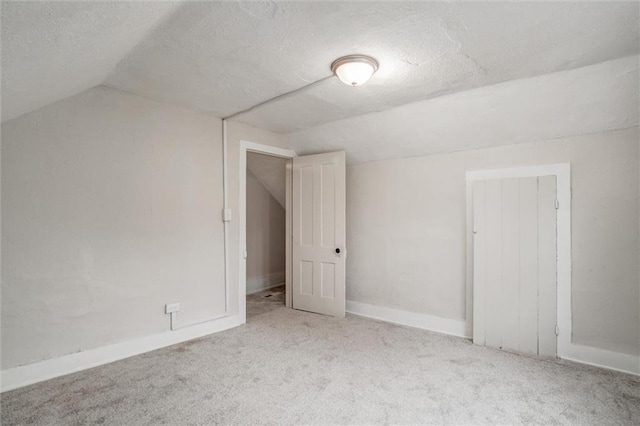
x,y
581,101
52,50
222,57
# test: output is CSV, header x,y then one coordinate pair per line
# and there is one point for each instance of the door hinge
x,y
557,204
557,330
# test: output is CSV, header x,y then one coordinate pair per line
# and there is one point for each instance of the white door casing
x,y
319,233
245,147
514,264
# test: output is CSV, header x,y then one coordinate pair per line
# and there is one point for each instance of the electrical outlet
x,y
171,308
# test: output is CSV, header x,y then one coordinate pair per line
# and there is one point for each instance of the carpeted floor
x,y
292,367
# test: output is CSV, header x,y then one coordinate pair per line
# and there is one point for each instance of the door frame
x,y
562,172
245,147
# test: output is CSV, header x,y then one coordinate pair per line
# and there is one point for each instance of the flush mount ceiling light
x,y
354,70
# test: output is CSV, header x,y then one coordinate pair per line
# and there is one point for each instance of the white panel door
x,y
514,264
319,223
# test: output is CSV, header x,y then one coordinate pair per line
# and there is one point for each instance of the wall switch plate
x,y
171,308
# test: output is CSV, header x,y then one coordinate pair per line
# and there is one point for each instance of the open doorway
x,y
315,254
265,224
271,158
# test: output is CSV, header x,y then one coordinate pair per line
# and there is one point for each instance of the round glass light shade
x,y
354,70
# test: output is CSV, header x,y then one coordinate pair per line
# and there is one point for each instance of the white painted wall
x,y
265,236
271,172
108,198
111,209
406,231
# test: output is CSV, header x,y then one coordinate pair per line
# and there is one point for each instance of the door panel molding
x,y
319,237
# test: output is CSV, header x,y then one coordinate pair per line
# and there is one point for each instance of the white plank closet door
x,y
514,264
319,233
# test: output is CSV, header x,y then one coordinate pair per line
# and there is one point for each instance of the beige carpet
x,y
291,367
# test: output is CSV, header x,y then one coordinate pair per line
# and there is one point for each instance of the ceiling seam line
x,y
277,98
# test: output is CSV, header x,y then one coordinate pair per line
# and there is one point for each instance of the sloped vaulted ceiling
x,y
225,56
271,172
52,50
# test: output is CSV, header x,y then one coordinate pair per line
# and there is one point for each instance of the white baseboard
x,y
256,285
412,319
24,375
617,361
577,353
265,288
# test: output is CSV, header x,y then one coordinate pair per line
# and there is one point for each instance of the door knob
x,y
338,250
